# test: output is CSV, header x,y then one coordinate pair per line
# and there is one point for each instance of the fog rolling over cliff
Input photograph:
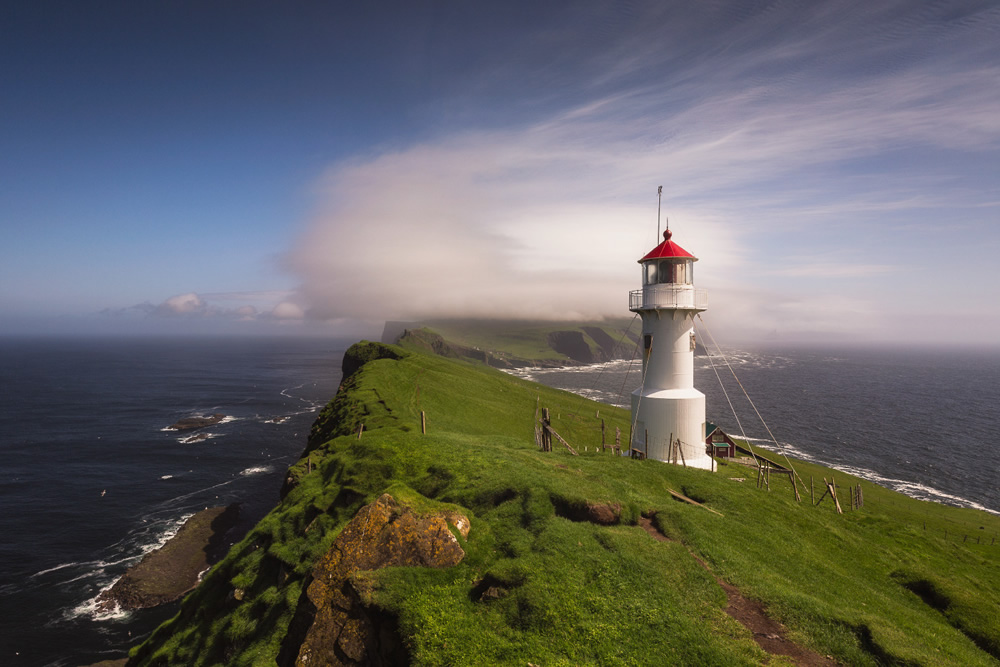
x,y
519,343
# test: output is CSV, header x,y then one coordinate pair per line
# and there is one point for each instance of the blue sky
x,y
320,167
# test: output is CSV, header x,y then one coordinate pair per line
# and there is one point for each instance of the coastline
x,y
94,409
167,573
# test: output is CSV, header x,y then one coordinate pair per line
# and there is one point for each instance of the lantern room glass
x,y
666,271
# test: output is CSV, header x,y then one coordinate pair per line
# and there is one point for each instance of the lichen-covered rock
x,y
333,624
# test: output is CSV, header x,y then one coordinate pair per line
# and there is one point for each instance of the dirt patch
x,y
647,525
603,514
769,634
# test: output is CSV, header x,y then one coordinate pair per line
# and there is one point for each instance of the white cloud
x,y
183,304
232,306
287,311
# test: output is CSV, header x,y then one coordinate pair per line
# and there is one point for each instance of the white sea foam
x,y
61,566
89,608
198,437
279,420
97,570
284,392
257,470
174,501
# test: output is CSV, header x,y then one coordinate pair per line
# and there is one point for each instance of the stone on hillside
x,y
334,623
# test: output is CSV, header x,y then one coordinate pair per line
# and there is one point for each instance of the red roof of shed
x,y
667,249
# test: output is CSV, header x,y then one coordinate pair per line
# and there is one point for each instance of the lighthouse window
x,y
670,272
666,272
649,273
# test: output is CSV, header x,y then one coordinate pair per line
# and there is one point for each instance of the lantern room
x,y
668,264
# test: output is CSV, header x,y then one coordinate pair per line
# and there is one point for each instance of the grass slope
x,y
868,587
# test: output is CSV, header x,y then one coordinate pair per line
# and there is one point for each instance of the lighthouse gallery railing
x,y
667,296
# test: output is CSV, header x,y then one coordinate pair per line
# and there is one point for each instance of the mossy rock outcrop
x,y
335,623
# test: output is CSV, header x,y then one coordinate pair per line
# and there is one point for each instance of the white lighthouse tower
x,y
667,408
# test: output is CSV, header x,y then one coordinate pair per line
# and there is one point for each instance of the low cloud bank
x,y
193,306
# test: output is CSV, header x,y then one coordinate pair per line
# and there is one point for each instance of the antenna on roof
x,y
659,195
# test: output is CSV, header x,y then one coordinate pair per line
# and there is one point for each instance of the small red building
x,y
718,443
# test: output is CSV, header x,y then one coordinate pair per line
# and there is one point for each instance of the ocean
x,y
90,479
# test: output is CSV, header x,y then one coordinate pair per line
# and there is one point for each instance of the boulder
x,y
335,624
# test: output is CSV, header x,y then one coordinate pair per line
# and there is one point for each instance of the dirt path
x,y
767,632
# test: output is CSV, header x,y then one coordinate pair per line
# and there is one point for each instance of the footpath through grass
x,y
871,586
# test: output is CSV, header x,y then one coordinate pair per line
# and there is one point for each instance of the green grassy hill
x,y
557,568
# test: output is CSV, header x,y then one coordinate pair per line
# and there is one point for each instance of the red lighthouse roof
x,y
667,249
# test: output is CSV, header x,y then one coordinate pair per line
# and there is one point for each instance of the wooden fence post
x,y
423,422
360,431
546,437
833,494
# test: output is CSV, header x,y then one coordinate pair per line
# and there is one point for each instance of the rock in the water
x,y
333,624
172,570
196,422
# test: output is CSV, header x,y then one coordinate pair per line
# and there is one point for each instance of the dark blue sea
x,y
90,480
921,421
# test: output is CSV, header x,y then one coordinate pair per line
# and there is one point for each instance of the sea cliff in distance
x,y
495,552
519,343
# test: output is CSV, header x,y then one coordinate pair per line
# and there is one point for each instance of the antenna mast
x,y
659,195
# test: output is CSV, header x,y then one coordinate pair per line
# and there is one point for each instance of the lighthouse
x,y
668,413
